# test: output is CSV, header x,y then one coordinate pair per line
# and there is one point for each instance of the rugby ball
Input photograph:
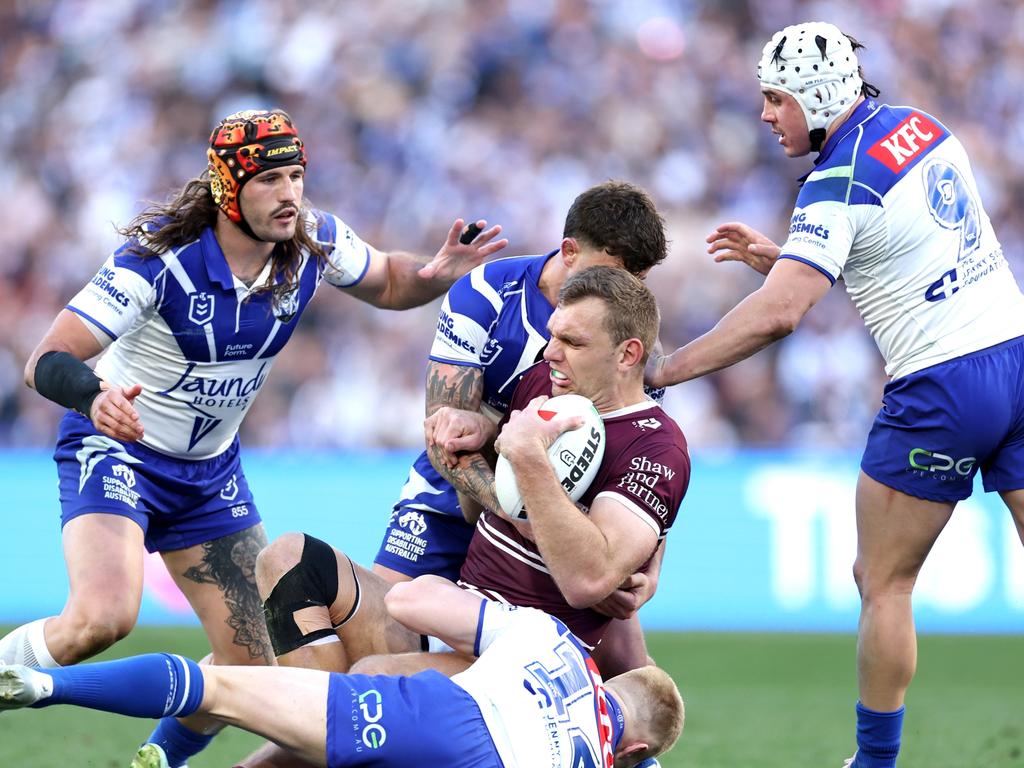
x,y
575,455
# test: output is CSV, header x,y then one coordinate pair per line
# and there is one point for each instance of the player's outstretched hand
x,y
114,414
735,241
448,431
456,258
533,429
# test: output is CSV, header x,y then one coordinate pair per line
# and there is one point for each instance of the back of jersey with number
x,y
893,206
541,696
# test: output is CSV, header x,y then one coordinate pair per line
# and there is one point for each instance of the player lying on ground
x,y
533,698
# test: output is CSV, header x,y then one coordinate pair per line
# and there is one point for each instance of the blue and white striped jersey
x,y
893,206
495,319
199,341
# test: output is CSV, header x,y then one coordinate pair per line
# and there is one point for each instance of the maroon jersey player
x,y
645,470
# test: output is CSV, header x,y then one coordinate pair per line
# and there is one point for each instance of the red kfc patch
x,y
906,143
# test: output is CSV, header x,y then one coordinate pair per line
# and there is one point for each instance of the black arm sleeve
x,y
63,378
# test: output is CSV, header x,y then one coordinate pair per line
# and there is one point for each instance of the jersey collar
x,y
217,268
864,111
615,715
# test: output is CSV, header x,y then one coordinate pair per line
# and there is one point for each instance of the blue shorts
x,y
418,542
177,502
939,425
425,719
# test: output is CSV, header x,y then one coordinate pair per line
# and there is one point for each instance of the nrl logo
x,y
200,307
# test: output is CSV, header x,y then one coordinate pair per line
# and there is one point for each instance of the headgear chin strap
x,y
815,64
246,144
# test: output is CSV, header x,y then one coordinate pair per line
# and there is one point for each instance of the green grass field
x,y
770,701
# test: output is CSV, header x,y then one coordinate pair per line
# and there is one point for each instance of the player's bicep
x,y
631,534
68,333
455,386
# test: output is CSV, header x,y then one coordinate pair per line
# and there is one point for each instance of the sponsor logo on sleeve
x,y
104,284
906,142
641,481
799,225
446,332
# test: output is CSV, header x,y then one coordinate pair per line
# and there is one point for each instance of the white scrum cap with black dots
x,y
815,63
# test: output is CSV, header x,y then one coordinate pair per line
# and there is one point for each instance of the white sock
x,y
27,645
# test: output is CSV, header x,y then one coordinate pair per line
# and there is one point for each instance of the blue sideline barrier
x,y
764,541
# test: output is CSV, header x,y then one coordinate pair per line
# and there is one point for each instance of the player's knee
x,y
297,604
96,631
276,559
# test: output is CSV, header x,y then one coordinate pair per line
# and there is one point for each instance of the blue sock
x,y
179,743
878,737
154,685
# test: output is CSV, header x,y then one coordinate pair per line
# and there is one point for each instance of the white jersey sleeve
x,y
467,314
113,301
348,257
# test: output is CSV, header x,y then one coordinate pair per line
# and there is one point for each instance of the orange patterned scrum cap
x,y
246,144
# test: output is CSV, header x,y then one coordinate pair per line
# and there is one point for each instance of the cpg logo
x,y
200,307
939,463
371,707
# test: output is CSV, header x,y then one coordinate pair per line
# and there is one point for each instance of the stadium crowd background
x,y
418,111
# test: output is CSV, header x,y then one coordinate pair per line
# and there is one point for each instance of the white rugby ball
x,y
575,455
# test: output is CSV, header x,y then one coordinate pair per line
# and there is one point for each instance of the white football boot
x,y
21,686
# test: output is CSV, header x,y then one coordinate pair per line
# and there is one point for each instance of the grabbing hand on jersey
x,y
451,430
528,433
114,414
735,241
456,259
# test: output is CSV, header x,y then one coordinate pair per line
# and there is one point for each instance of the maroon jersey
x,y
646,468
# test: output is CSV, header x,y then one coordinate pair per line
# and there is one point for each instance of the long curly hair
x,y
181,220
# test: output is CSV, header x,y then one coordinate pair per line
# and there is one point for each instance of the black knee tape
x,y
313,582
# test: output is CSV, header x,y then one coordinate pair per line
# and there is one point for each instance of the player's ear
x,y
631,352
625,751
569,252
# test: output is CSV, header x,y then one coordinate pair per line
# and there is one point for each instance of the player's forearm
x,y
405,288
472,476
573,548
749,327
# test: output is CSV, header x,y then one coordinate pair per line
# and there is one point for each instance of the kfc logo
x,y
906,143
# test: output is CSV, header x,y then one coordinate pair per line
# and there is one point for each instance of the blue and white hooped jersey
x,y
893,206
494,318
539,692
197,339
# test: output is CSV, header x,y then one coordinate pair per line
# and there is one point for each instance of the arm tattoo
x,y
457,386
473,476
230,563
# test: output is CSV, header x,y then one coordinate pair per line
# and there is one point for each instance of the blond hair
x,y
656,710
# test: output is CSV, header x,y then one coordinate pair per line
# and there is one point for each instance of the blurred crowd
x,y
415,112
